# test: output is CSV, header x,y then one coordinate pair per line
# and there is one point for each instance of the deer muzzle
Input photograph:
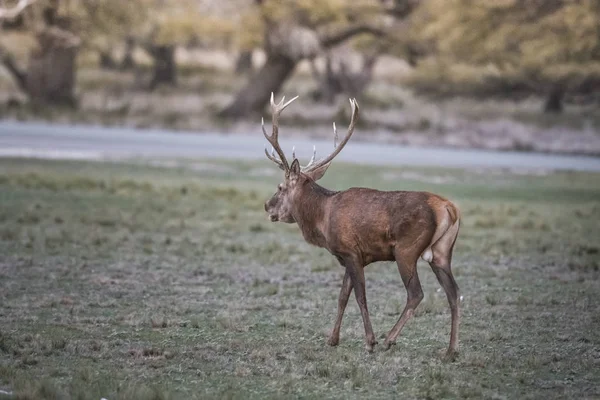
x,y
272,217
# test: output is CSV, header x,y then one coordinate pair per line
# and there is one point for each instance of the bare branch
x,y
12,13
402,9
345,34
9,63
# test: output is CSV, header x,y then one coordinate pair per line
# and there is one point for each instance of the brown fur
x,y
360,226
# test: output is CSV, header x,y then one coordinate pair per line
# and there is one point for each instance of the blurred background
x,y
157,274
501,74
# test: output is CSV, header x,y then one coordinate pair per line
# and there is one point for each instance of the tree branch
x,y
12,13
401,9
345,34
9,63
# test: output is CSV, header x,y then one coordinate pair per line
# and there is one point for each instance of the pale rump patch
x,y
427,255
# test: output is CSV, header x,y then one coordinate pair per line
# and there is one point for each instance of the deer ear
x,y
295,168
318,173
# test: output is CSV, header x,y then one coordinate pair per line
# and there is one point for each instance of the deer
x,y
360,226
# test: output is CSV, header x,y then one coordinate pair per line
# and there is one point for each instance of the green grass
x,y
133,281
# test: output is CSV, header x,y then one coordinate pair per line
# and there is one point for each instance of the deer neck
x,y
310,211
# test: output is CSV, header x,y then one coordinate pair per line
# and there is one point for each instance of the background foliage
x,y
535,41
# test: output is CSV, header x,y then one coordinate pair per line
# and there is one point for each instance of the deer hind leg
x,y
334,337
357,276
441,266
407,266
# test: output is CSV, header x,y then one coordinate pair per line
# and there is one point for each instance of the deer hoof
x,y
369,346
333,341
388,345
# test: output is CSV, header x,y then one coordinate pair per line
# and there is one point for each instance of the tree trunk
x,y
165,69
554,101
253,97
286,44
329,85
127,62
355,84
243,64
342,80
18,75
50,75
107,61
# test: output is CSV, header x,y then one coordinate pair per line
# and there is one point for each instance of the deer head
x,y
280,206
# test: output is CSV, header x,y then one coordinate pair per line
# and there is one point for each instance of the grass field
x,y
133,281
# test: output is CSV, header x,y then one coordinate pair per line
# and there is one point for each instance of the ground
x,y
130,281
391,111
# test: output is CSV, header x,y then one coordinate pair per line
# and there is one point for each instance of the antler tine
x,y
308,166
273,158
339,148
279,107
335,136
312,159
273,138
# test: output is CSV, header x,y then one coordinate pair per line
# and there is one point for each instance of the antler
x,y
12,13
312,159
312,165
273,138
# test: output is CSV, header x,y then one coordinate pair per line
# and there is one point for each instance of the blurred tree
x,y
243,62
158,26
546,42
102,24
341,78
296,30
174,22
127,62
60,29
50,74
248,36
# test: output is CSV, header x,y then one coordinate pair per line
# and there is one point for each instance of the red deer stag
x,y
360,226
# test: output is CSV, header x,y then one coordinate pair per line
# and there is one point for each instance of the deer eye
x,y
279,188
